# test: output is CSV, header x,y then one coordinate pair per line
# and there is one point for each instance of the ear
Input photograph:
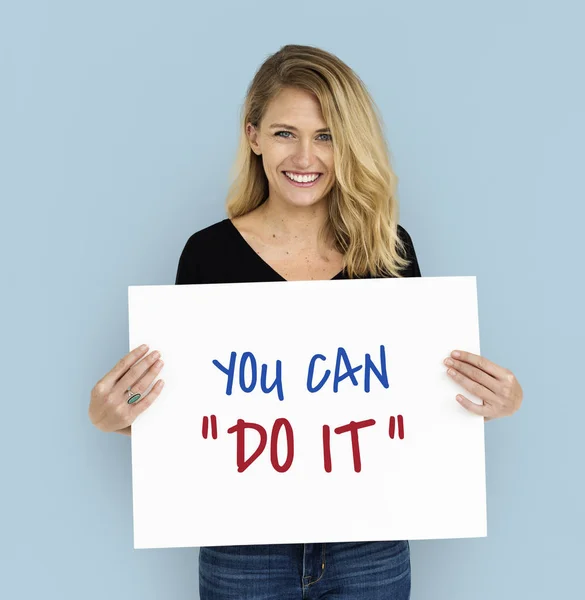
x,y
253,135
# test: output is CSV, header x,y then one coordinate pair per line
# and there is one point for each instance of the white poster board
x,y
291,365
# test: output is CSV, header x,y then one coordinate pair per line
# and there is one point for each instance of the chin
x,y
303,202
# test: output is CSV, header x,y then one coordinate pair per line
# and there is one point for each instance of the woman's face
x,y
290,141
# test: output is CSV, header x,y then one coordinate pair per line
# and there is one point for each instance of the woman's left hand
x,y
496,386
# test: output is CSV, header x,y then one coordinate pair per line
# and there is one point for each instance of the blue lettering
x,y
382,376
342,354
229,372
247,356
311,371
277,380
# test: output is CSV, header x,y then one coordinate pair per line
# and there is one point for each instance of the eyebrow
x,y
323,130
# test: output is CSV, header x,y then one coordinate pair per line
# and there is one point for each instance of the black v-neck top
x,y
220,254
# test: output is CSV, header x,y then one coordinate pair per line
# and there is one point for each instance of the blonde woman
x,y
313,197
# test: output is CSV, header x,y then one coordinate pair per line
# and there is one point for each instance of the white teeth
x,y
301,178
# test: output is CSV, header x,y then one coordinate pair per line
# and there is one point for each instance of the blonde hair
x,y
363,206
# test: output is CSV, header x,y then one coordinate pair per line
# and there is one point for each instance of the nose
x,y
304,156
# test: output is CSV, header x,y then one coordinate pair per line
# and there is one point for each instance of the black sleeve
x,y
188,268
413,269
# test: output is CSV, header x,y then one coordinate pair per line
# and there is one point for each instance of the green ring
x,y
134,399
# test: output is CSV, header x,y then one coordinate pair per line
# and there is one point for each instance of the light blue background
x,y
118,128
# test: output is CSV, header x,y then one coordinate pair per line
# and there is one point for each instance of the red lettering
x,y
290,444
327,448
353,427
240,430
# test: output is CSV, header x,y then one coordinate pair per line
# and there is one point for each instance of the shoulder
x,y
213,235
404,235
202,249
413,269
406,240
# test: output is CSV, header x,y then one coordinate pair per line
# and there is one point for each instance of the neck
x,y
294,225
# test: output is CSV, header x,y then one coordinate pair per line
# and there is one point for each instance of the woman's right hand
x,y
108,408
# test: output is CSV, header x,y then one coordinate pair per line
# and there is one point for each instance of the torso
x,y
220,253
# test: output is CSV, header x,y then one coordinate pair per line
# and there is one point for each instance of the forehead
x,y
296,107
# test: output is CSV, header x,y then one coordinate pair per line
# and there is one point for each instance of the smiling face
x,y
294,142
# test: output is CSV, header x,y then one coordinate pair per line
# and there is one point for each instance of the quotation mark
x,y
205,427
392,427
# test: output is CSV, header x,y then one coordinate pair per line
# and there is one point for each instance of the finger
x,y
112,376
151,365
481,363
471,372
145,381
478,409
477,389
147,400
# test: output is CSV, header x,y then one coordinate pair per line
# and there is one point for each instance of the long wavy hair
x,y
363,206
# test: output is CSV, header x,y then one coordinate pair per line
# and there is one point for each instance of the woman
x,y
314,197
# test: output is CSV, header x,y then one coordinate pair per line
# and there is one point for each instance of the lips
x,y
301,184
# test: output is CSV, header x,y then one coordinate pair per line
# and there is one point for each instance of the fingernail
x,y
455,354
449,362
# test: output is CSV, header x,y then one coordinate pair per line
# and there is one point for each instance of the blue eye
x,y
286,137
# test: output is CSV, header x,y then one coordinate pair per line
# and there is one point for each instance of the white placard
x,y
292,365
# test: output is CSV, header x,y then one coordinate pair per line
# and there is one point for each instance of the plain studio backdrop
x,y
118,126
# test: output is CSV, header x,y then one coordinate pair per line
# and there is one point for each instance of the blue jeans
x,y
340,571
